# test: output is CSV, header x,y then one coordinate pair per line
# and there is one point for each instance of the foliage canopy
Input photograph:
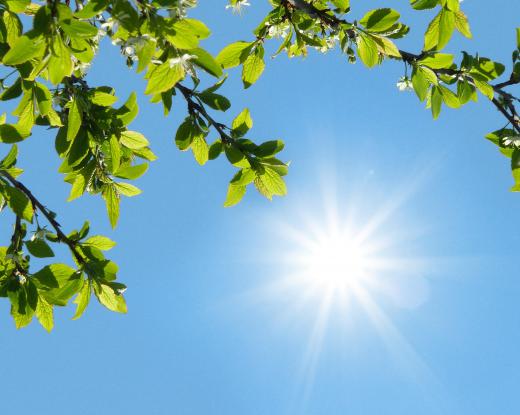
x,y
47,47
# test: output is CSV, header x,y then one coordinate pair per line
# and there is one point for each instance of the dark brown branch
x,y
48,215
327,16
192,104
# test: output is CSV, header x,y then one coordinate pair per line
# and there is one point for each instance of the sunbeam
x,y
337,266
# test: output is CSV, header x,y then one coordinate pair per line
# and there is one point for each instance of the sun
x,y
337,262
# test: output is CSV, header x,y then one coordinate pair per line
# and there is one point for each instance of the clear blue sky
x,y
209,328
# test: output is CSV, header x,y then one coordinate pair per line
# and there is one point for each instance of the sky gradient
x,y
212,330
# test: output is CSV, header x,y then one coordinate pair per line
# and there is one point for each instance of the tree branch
x,y
48,215
328,17
192,104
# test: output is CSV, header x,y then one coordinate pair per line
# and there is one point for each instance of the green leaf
x,y
215,101
465,92
100,242
446,27
125,14
436,102
17,6
55,275
129,110
243,177
79,149
271,183
78,29
112,204
24,49
91,9
462,24
102,99
13,26
483,86
380,20
242,123
253,67
12,133
39,248
234,195
115,153
431,37
367,50
132,172
10,159
449,98
60,62
19,203
486,69
420,83
341,5
269,148
234,54
82,300
133,140
235,156
74,119
423,4
44,313
164,77
200,149
205,61
110,298
127,189
186,33
63,280
215,150
145,49
186,133
438,61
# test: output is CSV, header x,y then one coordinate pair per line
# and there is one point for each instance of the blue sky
x,y
209,328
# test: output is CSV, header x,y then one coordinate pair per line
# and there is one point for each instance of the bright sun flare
x,y
336,262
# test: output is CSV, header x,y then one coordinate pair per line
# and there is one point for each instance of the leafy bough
x,y
46,75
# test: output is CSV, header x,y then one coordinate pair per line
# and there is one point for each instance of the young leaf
x,y
39,248
127,189
379,20
242,123
82,300
74,119
112,204
200,149
19,203
164,77
233,54
24,49
44,314
234,195
100,242
446,27
253,67
133,140
367,50
110,298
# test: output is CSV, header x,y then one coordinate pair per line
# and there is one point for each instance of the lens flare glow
x,y
337,262
338,266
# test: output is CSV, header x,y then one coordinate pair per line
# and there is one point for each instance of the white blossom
x,y
513,141
236,8
184,61
280,30
404,84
